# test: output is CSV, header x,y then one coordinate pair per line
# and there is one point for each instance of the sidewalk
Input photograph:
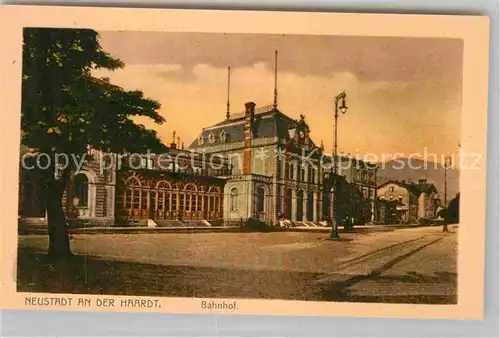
x,y
217,229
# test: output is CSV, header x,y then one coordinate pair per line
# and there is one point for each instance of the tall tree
x,y
67,110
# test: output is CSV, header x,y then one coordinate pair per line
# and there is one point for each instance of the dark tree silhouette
x,y
452,215
66,110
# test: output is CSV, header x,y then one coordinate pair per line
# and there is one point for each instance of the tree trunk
x,y
59,246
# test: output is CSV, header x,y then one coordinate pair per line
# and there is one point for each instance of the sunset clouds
x,y
404,95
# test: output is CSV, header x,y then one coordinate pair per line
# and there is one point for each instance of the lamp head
x,y
343,107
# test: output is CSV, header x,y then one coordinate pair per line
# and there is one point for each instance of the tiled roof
x,y
414,188
268,122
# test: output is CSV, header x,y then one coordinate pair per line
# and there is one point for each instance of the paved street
x,y
406,265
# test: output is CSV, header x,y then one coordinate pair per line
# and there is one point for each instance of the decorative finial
x,y
322,145
228,92
173,137
182,145
275,103
178,140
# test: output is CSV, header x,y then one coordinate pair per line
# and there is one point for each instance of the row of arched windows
x,y
171,200
302,212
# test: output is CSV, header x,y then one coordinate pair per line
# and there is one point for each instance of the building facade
x,y
408,202
258,164
276,171
174,188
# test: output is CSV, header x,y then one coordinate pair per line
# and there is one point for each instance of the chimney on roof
x,y
249,118
403,181
249,109
173,145
422,181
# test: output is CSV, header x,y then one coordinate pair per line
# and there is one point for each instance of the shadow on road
x,y
91,275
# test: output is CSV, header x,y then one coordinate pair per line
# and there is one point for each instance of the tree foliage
x,y
65,109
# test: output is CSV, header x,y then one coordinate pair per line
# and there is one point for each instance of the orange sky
x,y
404,94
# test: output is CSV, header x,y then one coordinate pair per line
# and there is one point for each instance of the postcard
x,y
243,162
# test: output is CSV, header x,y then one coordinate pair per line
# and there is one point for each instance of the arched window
x,y
234,199
190,197
212,203
81,190
260,199
214,189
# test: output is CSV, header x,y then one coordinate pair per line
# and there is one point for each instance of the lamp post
x,y
447,164
339,106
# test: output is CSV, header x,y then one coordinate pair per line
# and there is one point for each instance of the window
x,y
234,199
144,200
174,202
235,164
136,199
260,199
224,137
128,198
201,140
199,202
181,202
312,175
279,200
81,191
211,138
212,203
217,204
160,198
288,204
291,172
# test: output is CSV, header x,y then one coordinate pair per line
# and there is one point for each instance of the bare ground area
x,y
402,266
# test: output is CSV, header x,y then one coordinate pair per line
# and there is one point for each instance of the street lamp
x,y
339,106
447,164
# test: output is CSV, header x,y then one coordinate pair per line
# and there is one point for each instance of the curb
x,y
159,230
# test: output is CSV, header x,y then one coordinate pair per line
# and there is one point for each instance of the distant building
x,y
407,202
357,193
